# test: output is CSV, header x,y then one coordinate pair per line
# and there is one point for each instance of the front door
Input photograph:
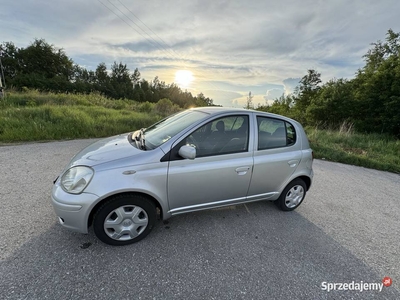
x,y
221,172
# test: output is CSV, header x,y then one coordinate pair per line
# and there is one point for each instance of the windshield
x,y
159,133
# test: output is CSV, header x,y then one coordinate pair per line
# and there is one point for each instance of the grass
x,y
36,116
367,150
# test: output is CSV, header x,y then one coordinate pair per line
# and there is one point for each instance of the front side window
x,y
221,136
274,133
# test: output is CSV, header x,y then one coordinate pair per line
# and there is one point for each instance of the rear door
x,y
276,157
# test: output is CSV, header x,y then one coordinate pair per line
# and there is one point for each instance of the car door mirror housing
x,y
187,151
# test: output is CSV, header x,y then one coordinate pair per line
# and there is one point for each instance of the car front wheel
x,y
292,195
124,219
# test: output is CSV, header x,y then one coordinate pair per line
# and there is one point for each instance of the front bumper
x,y
73,210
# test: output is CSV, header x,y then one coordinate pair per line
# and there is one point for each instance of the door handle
x,y
242,170
293,163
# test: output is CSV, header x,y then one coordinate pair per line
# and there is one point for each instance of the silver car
x,y
197,159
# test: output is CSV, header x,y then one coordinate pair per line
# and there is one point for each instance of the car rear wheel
x,y
292,196
124,220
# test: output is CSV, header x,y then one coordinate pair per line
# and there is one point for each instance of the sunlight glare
x,y
183,78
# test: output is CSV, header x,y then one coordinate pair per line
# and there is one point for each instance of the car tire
x,y
124,219
292,196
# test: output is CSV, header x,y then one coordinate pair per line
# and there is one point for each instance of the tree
x,y
121,81
101,74
202,100
135,77
44,59
332,105
307,90
165,107
281,106
9,57
44,67
371,100
377,88
40,65
249,101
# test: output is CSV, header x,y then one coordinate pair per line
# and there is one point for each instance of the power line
x,y
164,42
165,47
158,45
130,24
161,47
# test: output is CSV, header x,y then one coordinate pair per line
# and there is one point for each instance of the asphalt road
x,y
347,230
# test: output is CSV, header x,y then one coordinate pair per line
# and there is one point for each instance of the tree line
x,y
370,101
44,67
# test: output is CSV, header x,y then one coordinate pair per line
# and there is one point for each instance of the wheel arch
x,y
306,179
100,203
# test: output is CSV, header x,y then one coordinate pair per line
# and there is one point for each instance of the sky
x,y
224,49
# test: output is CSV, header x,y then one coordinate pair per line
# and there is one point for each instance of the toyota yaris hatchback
x,y
197,159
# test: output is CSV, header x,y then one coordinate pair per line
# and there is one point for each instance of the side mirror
x,y
187,151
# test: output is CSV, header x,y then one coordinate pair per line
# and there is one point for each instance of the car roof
x,y
219,109
215,110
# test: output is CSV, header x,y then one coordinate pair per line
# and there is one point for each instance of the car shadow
x,y
252,251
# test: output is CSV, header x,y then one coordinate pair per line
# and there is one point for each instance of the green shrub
x,y
165,107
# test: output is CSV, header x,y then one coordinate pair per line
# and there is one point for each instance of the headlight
x,y
76,179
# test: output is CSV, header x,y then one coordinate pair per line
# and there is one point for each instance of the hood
x,y
105,150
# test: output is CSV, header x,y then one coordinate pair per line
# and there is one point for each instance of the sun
x,y
183,78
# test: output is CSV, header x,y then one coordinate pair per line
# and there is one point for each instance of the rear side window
x,y
274,133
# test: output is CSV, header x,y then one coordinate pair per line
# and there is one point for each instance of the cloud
x,y
235,46
224,98
290,84
274,94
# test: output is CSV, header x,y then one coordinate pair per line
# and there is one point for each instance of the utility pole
x,y
1,88
2,92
